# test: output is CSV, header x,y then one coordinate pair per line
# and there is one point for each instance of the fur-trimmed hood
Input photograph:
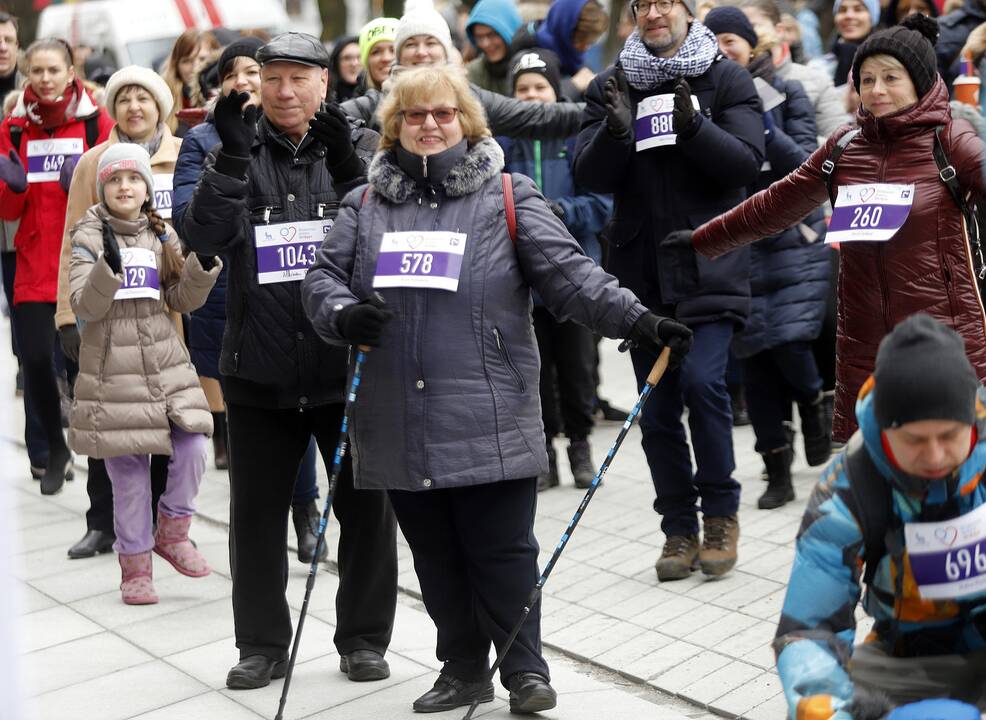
x,y
482,161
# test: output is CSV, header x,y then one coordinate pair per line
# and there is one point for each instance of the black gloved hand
x,y
206,261
111,250
557,209
683,115
362,323
619,117
332,129
70,340
677,239
13,173
237,128
655,331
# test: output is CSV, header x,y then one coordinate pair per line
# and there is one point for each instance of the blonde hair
x,y
419,86
886,61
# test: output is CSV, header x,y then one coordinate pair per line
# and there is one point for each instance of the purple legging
x,y
130,476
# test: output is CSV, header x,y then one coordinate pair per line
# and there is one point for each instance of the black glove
x,y
111,251
68,337
332,129
557,209
362,323
684,114
619,118
655,331
206,261
237,127
677,239
12,172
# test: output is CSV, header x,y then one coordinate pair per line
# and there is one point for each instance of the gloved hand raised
x,y
12,172
236,126
362,323
654,331
69,339
66,172
331,128
684,113
619,117
111,250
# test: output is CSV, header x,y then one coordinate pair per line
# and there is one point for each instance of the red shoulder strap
x,y
508,206
366,194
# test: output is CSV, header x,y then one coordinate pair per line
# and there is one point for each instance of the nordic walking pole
x,y
341,448
655,375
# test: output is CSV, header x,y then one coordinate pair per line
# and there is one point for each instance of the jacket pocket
x,y
501,348
620,232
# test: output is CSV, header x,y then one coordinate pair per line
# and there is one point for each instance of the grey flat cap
x,y
294,47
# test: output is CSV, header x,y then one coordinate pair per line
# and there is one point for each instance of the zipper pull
x,y
267,211
321,210
236,361
424,165
499,341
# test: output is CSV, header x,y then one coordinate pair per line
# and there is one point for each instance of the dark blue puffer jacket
x,y
789,272
206,326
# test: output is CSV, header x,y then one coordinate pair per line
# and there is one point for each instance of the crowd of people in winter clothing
x,y
473,199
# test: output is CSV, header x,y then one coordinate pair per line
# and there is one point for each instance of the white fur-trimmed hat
x,y
423,21
147,79
124,156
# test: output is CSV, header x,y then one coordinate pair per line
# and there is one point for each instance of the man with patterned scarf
x,y
675,132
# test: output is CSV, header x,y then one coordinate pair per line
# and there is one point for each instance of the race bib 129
x,y
140,278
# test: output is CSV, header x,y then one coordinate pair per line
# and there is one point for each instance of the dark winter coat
x,y
505,115
677,187
208,323
789,272
926,267
953,31
453,399
271,356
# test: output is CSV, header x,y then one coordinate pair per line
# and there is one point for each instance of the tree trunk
x,y
333,14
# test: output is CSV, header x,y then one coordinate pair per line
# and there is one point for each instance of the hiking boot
x,y
719,538
580,459
219,452
816,431
137,583
678,558
449,693
306,518
530,693
550,479
789,433
779,488
737,400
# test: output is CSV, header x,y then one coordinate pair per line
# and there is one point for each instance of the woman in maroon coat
x,y
924,264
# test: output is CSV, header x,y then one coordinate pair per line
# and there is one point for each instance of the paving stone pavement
x,y
619,642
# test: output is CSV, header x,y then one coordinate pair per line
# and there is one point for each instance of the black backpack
x,y
946,171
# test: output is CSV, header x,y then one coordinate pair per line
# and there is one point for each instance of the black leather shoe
x,y
530,693
92,543
306,518
449,693
58,471
363,665
255,671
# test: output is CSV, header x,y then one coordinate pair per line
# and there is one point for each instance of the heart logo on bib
x,y
288,234
947,536
657,104
414,241
866,194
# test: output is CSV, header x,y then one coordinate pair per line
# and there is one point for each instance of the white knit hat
x,y
147,79
423,21
124,156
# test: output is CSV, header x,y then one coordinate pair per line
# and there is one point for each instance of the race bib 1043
x,y
869,212
420,260
285,251
164,194
46,157
140,278
948,559
653,126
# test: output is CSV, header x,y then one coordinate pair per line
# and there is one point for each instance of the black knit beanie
x,y
912,42
540,61
244,47
922,373
728,19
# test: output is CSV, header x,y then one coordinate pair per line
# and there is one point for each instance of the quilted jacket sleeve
x,y
216,219
193,285
92,283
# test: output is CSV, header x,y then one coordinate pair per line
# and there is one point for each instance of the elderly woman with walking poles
x,y
448,418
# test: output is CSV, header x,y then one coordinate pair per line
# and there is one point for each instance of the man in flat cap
x,y
264,202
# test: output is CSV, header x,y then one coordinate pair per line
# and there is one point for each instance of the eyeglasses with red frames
x,y
442,115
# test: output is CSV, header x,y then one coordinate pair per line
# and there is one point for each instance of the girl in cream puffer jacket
x,y
137,392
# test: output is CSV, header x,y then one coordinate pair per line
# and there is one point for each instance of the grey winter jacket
x,y
505,115
829,103
450,398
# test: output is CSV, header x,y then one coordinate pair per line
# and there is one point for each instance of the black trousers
x,y
100,491
476,556
34,326
773,378
265,449
568,359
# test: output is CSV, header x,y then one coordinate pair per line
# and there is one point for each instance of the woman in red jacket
x,y
53,123
904,244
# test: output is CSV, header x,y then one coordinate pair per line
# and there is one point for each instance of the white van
x,y
140,32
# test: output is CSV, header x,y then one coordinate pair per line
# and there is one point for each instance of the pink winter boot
x,y
171,542
137,585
